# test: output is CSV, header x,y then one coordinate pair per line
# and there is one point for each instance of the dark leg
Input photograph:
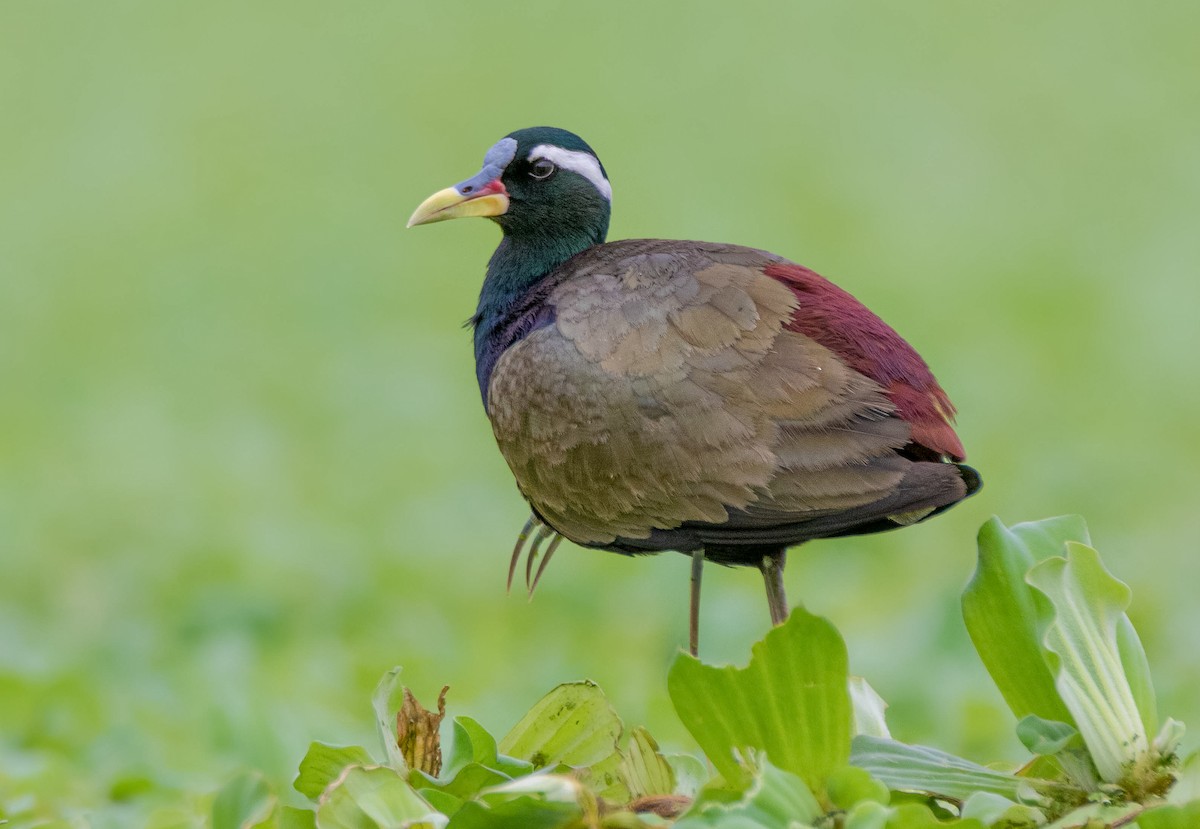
x,y
694,615
772,570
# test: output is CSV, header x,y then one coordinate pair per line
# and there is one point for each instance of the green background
x,y
243,464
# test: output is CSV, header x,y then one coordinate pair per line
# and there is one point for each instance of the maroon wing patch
x,y
845,326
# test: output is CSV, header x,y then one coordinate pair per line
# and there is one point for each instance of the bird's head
x,y
540,183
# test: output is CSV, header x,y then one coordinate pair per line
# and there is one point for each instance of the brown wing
x,y
669,393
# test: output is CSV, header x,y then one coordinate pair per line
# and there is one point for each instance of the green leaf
x,y
1171,817
994,810
986,806
1187,784
292,818
870,815
927,770
469,781
644,770
322,765
387,700
520,813
606,779
554,788
472,743
690,773
374,798
1169,738
1080,635
573,724
474,764
1097,815
536,801
244,802
1137,671
170,817
792,701
775,799
869,709
1047,736
1000,611
440,801
850,785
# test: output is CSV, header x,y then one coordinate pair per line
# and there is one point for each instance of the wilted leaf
x,y
417,733
792,701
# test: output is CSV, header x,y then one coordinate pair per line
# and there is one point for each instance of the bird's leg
x,y
694,614
772,570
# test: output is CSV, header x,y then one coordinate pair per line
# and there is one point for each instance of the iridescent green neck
x,y
517,265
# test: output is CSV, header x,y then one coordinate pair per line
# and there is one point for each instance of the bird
x,y
655,395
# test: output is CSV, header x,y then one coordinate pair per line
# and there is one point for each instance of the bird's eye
x,y
542,169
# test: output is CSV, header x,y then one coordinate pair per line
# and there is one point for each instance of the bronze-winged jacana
x,y
713,399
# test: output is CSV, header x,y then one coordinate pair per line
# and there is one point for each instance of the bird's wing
x,y
674,389
835,319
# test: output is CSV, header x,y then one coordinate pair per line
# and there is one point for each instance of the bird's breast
x,y
602,453
636,409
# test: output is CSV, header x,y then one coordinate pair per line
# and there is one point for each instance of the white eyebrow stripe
x,y
585,164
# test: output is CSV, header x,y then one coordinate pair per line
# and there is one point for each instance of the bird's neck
x,y
517,265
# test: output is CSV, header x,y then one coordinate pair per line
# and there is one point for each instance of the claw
x,y
535,548
518,548
545,560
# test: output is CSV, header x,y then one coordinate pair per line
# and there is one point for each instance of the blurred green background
x,y
243,464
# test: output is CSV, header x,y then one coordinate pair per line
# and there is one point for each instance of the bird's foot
x,y
539,531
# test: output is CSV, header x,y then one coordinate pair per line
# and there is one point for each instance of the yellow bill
x,y
451,204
